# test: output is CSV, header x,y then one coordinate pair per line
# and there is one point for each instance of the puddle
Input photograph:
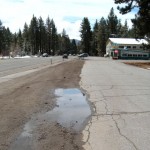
x,y
71,112
72,109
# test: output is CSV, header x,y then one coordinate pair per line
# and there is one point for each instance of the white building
x,y
124,43
127,47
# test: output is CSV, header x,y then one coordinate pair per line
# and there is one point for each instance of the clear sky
x,y
66,14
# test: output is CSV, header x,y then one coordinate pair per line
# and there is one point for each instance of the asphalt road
x,y
11,66
119,95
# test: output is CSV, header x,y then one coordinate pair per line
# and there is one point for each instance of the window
x,y
144,55
128,46
134,55
130,55
124,54
121,46
134,46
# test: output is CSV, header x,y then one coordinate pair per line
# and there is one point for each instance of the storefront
x,y
129,54
127,48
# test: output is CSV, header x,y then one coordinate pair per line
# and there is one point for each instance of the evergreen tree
x,y
20,42
123,30
132,32
102,37
41,36
14,45
33,34
49,34
65,42
53,38
26,44
141,21
1,37
73,47
63,45
94,45
59,44
5,40
8,40
119,27
112,23
35,38
86,36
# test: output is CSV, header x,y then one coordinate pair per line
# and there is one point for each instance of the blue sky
x,y
66,14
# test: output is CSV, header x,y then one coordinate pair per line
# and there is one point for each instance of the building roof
x,y
128,41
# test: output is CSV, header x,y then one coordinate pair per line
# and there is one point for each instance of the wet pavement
x,y
72,112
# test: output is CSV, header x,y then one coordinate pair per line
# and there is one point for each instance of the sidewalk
x,y
119,95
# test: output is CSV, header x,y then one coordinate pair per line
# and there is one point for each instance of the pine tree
x,y
49,34
8,40
141,22
94,45
123,30
33,33
1,37
35,37
102,37
86,36
73,47
26,44
14,45
132,32
112,23
65,42
53,38
41,36
20,42
59,44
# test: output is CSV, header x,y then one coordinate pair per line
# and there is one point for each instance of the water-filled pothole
x,y
71,112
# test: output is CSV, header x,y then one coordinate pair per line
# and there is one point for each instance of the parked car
x,y
45,55
65,56
83,55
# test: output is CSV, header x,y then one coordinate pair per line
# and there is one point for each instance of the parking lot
x,y
119,95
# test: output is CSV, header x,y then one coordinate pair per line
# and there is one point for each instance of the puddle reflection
x,y
72,109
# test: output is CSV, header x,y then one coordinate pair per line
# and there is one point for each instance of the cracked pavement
x,y
119,95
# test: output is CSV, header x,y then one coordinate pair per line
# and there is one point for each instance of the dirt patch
x,y
34,93
145,65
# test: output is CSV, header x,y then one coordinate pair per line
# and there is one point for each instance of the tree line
x,y
141,22
35,39
39,37
93,41
112,27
